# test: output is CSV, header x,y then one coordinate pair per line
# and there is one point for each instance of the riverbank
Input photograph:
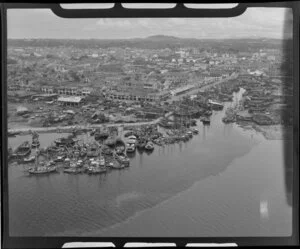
x,y
206,209
270,132
275,132
66,129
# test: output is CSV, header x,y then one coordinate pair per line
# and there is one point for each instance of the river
x,y
225,181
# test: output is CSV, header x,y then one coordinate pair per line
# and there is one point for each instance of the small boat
x,y
149,146
205,120
208,113
92,151
193,122
29,159
190,134
79,163
50,163
131,141
72,170
132,137
96,170
42,170
185,137
59,159
65,141
129,133
101,135
130,148
23,150
53,149
110,164
118,165
141,145
195,131
35,144
110,142
123,159
120,149
157,142
67,162
102,161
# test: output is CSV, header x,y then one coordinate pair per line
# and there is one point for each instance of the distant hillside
x,y
162,38
152,42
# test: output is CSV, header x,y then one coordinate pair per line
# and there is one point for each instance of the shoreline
x,y
130,226
271,132
60,129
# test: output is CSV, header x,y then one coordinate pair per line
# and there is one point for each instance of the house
x,y
70,101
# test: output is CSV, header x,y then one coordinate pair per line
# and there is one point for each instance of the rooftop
x,y
73,99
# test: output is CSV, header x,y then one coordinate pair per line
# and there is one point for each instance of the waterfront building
x,y
133,96
180,90
70,101
48,89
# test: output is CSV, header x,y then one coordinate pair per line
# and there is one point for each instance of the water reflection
x,y
180,146
141,160
203,132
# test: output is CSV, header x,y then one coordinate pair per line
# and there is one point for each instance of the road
x,y
194,91
71,127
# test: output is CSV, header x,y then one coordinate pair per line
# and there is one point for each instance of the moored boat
x,y
96,170
117,165
69,141
42,168
101,135
72,170
141,145
23,150
123,159
59,159
205,120
149,146
29,159
92,151
195,131
110,142
35,144
190,134
130,148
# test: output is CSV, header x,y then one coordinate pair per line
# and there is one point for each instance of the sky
x,y
43,23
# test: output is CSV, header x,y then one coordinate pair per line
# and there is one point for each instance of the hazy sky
x,y
43,23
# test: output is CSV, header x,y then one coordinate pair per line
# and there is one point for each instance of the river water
x,y
225,181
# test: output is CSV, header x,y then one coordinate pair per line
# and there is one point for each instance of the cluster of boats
x,y
76,165
24,149
140,144
181,135
71,155
74,156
